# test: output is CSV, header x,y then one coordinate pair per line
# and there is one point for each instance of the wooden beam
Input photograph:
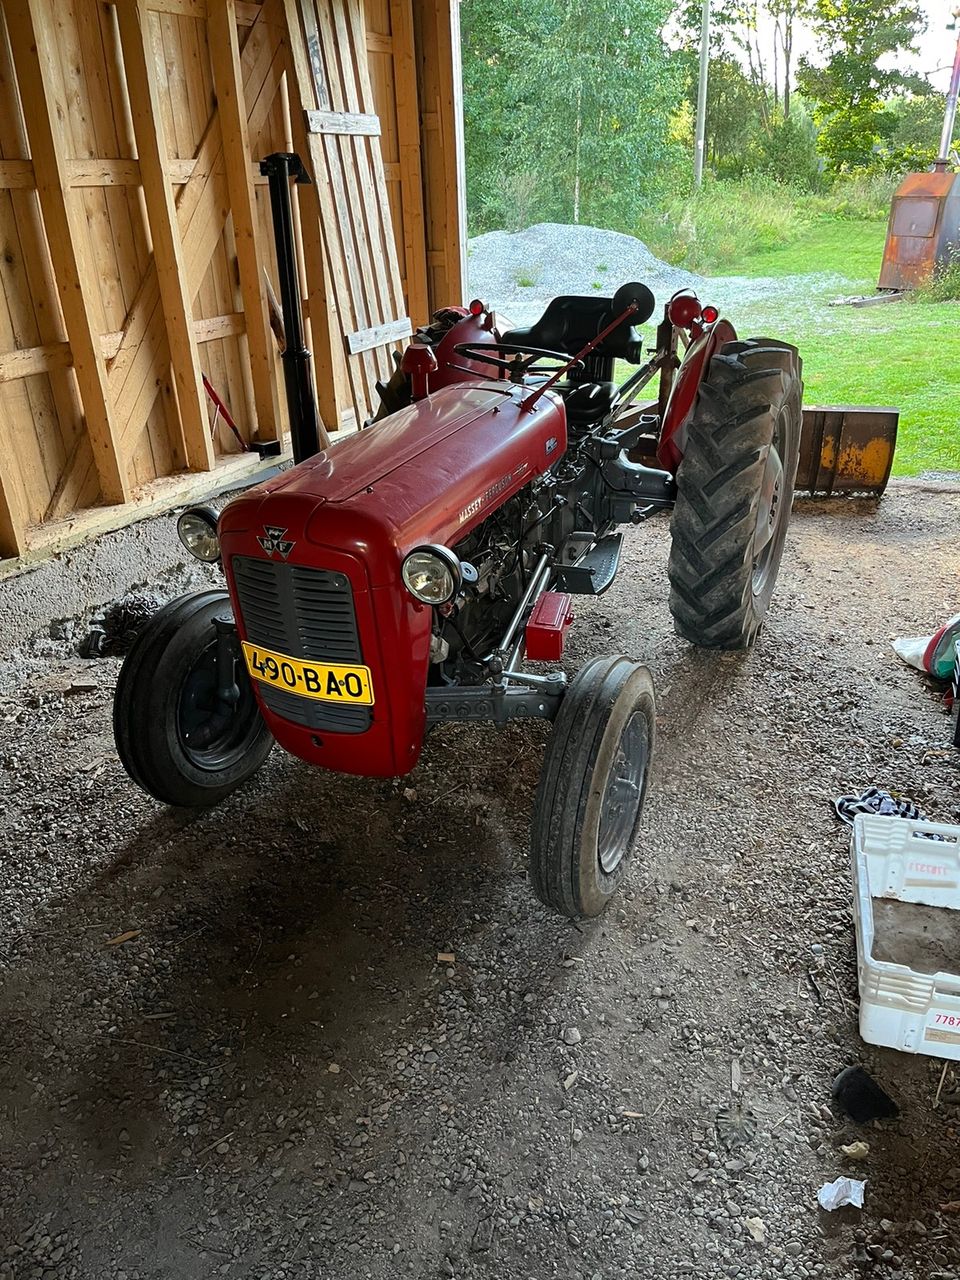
x,y
216,327
45,111
201,212
228,81
320,303
441,126
41,542
11,518
103,173
28,361
349,123
378,336
145,108
409,169
17,175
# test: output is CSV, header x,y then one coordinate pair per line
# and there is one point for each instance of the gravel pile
x,y
324,1032
518,272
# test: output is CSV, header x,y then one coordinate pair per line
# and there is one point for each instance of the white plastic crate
x,y
894,859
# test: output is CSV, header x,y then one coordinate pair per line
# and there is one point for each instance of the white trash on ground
x,y
840,1192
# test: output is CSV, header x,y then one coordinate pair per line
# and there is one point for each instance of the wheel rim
x,y
213,734
623,794
771,514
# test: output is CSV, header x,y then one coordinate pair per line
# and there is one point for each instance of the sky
x,y
936,47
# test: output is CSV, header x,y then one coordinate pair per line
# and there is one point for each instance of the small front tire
x,y
175,737
589,801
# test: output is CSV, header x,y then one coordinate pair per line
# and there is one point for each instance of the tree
x,y
567,103
855,37
914,142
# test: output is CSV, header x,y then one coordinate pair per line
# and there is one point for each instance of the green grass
x,y
850,249
905,354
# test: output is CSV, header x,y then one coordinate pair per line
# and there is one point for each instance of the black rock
x,y
859,1095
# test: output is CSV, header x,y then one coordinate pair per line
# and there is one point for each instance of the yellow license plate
x,y
327,682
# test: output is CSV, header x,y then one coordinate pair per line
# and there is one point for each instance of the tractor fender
x,y
683,394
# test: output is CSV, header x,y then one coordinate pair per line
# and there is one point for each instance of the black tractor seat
x,y
587,403
569,323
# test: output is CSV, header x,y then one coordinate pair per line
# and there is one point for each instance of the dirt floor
x,y
277,1075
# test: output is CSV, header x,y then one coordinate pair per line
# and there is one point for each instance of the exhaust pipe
x,y
278,169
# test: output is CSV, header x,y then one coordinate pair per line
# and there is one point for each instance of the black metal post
x,y
278,169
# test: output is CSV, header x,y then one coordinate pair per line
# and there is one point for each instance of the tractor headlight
x,y
431,574
197,530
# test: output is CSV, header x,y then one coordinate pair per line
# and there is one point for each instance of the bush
x,y
858,197
944,285
725,221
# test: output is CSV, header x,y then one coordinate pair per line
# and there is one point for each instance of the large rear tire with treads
x,y
589,801
734,493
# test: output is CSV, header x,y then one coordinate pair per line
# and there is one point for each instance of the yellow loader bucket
x,y
847,449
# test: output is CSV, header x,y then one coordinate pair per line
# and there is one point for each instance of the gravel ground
x,y
518,272
276,1075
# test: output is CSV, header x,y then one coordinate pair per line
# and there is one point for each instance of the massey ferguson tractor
x,y
425,569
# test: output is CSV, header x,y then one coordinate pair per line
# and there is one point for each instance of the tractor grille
x,y
306,613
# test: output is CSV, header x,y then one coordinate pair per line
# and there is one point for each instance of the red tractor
x,y
412,573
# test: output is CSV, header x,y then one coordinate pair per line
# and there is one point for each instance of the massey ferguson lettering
x,y
479,503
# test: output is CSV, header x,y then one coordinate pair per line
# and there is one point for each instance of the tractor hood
x,y
350,466
429,473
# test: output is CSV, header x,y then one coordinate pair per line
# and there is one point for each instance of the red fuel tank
x,y
313,559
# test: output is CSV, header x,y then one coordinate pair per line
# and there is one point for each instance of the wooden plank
x,y
410,173
144,91
354,123
11,521
201,212
17,175
342,267
216,327
247,12
320,301
103,173
228,79
181,170
229,325
29,361
378,336
41,542
437,28
34,313
44,112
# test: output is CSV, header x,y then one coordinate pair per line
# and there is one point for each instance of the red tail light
x,y
710,314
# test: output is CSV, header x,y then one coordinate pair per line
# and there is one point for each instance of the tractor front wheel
x,y
594,780
734,493
176,736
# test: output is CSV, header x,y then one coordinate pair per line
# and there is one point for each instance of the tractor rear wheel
x,y
589,801
176,737
734,493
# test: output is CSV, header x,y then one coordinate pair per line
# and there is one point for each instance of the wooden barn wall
x,y
135,234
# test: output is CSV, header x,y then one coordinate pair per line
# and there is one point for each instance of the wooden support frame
x,y
330,90
144,91
442,148
44,109
228,79
138,246
407,97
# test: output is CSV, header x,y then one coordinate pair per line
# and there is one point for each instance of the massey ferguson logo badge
x,y
273,541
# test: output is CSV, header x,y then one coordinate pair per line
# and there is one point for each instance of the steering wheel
x,y
526,360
